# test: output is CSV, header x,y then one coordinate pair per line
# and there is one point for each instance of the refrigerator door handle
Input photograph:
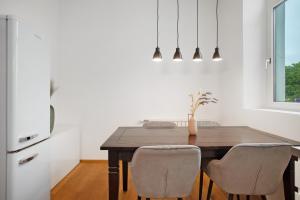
x,y
27,138
26,160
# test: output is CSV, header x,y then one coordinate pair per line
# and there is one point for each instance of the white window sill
x,y
289,112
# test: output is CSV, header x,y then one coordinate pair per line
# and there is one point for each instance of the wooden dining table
x,y
214,143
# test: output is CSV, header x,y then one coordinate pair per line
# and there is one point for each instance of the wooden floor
x,y
89,181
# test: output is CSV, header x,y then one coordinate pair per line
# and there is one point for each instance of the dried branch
x,y
202,99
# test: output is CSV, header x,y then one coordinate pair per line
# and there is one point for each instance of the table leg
x,y
201,184
125,174
113,174
289,181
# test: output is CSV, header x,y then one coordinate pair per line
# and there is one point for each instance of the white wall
x,y
256,48
107,78
244,37
42,16
254,53
243,81
282,123
231,68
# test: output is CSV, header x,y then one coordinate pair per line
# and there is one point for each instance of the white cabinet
x,y
65,151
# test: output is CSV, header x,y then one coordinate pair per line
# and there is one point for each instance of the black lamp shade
x,y
197,56
177,56
216,56
157,55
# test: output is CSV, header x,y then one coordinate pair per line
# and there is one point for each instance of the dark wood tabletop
x,y
131,138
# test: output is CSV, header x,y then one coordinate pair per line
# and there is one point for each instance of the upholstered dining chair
x,y
170,125
250,169
205,161
165,171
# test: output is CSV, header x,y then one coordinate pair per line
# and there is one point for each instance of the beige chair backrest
x,y
173,124
252,168
166,171
207,123
159,124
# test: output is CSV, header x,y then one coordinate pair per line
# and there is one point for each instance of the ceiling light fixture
x,y
177,56
216,56
197,55
157,57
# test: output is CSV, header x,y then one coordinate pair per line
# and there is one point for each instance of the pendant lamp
x,y
157,57
216,56
177,56
197,55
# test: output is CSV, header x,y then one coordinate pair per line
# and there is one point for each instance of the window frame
x,y
271,103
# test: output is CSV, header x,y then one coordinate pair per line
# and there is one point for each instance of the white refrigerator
x,y
24,112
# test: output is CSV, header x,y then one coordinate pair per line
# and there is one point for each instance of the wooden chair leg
x,y
248,197
238,197
230,196
139,198
209,189
263,197
201,184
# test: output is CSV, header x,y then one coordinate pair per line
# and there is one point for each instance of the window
x,y
286,52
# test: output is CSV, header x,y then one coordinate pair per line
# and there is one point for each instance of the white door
x,y
28,175
28,87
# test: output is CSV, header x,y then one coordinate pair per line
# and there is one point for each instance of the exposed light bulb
x,y
216,56
157,57
197,55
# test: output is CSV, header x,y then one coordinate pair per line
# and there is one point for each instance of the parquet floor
x,y
89,181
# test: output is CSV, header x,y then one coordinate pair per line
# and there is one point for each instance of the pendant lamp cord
x,y
157,18
217,18
177,23
197,23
